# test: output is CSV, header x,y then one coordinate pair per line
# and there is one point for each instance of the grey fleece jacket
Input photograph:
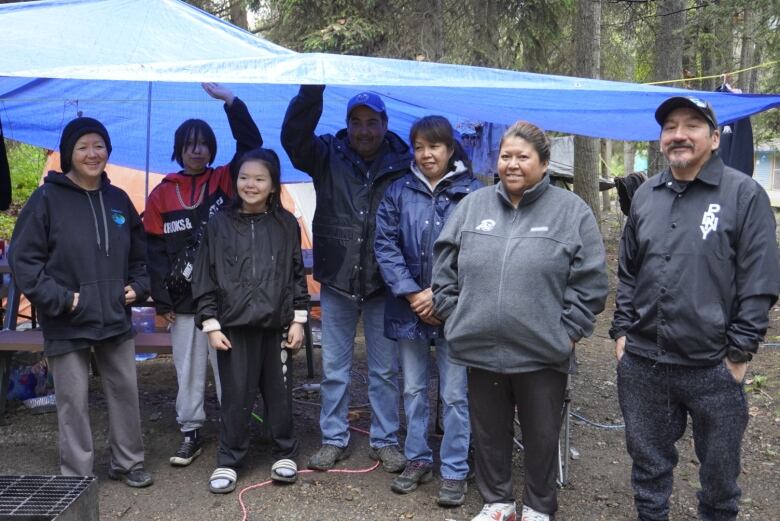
x,y
517,285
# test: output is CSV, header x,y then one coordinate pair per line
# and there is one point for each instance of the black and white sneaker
x,y
189,449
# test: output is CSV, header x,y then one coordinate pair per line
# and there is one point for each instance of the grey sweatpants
x,y
656,400
116,363
191,352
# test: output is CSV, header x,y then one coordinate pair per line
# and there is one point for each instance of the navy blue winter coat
x,y
348,193
408,222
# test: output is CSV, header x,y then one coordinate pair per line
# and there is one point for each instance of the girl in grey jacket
x,y
519,277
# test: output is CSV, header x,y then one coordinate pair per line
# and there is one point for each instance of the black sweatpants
x,y
254,363
656,400
538,396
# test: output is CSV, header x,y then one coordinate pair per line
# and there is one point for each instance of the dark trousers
x,y
656,400
538,397
253,364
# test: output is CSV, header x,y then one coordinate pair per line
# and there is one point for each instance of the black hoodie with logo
x,y
69,240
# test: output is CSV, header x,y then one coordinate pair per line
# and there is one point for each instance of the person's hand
x,y
431,319
169,316
737,369
217,91
421,302
294,336
129,295
573,344
218,341
620,347
75,302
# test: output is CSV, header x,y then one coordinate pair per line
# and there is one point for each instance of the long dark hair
x,y
438,129
270,160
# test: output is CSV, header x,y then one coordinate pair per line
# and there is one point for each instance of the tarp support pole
x,y
148,137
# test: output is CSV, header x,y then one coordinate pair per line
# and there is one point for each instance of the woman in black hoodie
x,y
78,253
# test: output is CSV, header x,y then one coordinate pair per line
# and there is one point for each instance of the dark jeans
x,y
538,397
254,363
656,400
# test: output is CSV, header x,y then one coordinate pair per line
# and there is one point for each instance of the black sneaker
x,y
136,478
391,457
416,473
452,492
189,449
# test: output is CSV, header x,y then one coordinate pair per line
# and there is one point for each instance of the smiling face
x,y
519,167
432,158
366,130
687,142
196,153
254,186
88,161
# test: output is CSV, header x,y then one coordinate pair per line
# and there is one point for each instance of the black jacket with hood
x,y
70,240
249,270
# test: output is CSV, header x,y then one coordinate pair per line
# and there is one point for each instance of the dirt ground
x,y
599,487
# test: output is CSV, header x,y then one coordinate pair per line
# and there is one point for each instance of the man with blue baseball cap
x,y
698,273
350,171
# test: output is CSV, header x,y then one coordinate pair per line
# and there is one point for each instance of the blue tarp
x,y
133,63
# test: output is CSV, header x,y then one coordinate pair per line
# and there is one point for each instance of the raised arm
x,y
307,152
243,127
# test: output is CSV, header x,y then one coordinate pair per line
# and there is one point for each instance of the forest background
x,y
696,44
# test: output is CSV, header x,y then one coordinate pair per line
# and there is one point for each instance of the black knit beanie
x,y
73,131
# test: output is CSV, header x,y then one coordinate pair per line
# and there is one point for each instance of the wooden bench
x,y
31,341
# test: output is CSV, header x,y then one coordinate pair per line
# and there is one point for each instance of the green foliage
x,y
26,163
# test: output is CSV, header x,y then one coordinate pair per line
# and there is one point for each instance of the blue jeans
x,y
415,363
340,315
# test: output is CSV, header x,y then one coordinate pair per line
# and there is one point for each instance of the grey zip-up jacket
x,y
518,285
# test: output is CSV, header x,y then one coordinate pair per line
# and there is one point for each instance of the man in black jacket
x,y
698,273
350,171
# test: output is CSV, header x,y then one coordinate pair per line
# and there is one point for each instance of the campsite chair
x,y
564,440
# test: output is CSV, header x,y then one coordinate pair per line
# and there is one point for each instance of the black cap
x,y
699,105
73,131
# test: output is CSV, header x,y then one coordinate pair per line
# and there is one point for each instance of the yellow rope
x,y
713,75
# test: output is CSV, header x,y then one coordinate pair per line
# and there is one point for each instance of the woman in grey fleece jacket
x,y
519,277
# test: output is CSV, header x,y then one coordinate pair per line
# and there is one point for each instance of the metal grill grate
x,y
39,498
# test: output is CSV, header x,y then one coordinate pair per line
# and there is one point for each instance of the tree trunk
x,y
587,41
667,63
606,155
238,14
629,150
747,51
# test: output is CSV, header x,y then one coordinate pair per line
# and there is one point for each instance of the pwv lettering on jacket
x,y
178,225
709,221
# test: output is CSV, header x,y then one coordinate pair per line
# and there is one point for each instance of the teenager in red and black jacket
x,y
175,216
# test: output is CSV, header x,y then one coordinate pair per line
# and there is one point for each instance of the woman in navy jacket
x,y
409,219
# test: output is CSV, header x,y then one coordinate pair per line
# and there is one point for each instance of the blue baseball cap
x,y
366,99
699,105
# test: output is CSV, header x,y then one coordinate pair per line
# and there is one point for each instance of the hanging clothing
x,y
736,142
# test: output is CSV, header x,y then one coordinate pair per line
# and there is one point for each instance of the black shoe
x,y
189,449
137,477
326,457
452,492
416,473
391,457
